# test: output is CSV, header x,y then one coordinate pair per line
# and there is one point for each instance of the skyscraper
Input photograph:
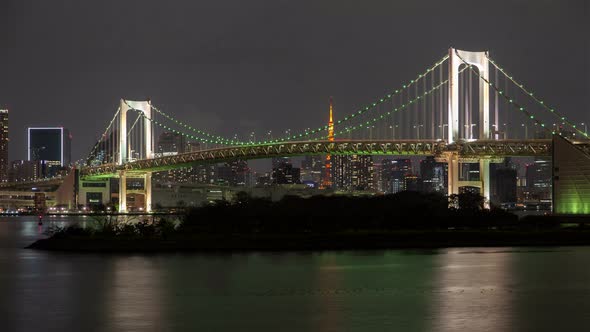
x,y
3,145
538,179
52,144
171,143
285,173
312,168
233,173
352,172
434,175
393,174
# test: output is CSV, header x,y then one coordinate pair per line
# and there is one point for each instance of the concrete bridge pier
x,y
124,191
454,162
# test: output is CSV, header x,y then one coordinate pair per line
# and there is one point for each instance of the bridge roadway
x,y
465,149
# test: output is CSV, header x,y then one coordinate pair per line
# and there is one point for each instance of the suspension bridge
x,y
464,108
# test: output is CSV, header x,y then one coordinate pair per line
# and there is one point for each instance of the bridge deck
x,y
479,148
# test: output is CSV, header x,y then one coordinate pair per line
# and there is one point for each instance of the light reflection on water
x,y
470,289
474,293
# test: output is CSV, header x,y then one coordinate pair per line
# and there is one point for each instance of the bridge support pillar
x,y
484,177
454,161
122,192
148,192
457,58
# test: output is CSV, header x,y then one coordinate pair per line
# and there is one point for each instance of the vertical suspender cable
x,y
432,108
496,119
470,111
440,104
416,116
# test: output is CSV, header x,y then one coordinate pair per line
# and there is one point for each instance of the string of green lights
x,y
164,126
307,133
93,151
344,131
200,132
507,98
375,119
562,118
402,107
370,106
200,139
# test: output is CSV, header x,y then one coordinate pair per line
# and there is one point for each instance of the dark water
x,y
463,289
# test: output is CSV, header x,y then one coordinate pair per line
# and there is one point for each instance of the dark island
x,y
403,220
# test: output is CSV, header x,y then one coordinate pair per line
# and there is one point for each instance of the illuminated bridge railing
x,y
341,147
501,148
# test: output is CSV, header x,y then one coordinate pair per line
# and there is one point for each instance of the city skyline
x,y
205,75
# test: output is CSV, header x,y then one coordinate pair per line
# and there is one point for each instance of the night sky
x,y
233,66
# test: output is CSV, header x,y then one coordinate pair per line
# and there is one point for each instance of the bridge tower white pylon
x,y
480,60
457,58
146,108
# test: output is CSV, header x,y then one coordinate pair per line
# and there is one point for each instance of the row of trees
x,y
327,214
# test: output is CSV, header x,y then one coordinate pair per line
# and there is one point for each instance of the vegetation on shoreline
x,y
407,219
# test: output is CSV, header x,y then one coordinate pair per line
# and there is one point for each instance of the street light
x,y
443,129
392,127
469,129
495,132
371,132
585,128
418,130
526,131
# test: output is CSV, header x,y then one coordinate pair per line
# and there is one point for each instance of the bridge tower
x,y
457,58
123,152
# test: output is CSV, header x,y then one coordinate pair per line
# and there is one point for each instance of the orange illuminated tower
x,y
327,180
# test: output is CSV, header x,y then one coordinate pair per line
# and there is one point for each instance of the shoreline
x,y
406,239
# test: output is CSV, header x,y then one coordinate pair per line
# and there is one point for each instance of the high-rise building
x,y
192,147
233,173
277,161
285,173
377,177
413,182
52,144
312,168
504,186
538,180
434,175
171,144
29,170
504,182
393,174
352,172
3,145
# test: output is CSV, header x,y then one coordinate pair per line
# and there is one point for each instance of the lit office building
x,y
393,174
434,175
352,172
52,144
